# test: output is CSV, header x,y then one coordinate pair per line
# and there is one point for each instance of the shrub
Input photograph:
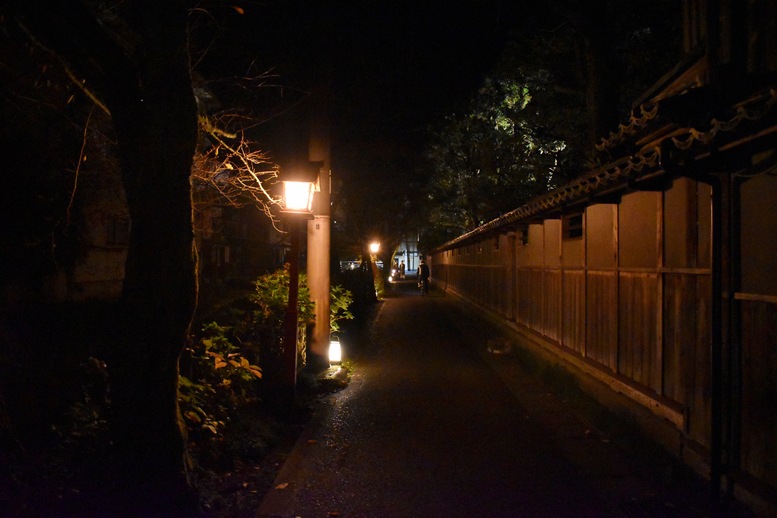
x,y
271,295
340,301
216,378
224,367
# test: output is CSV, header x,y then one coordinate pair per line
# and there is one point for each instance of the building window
x,y
220,254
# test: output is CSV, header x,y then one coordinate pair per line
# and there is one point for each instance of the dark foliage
x,y
565,81
41,126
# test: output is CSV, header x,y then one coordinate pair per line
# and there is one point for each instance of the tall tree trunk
x,y
142,76
157,135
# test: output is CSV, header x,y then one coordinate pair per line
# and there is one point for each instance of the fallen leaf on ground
x,y
284,485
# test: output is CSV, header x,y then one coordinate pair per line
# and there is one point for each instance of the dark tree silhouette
x,y
131,59
565,80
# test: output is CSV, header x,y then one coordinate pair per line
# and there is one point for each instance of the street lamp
x,y
296,205
377,280
297,197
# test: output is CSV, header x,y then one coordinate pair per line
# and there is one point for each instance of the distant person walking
x,y
402,270
423,277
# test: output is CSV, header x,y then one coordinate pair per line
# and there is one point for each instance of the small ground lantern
x,y
335,352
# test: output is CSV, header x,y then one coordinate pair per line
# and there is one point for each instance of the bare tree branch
x,y
233,171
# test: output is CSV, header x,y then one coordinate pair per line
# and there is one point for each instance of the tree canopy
x,y
490,159
564,81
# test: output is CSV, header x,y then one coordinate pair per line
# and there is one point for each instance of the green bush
x,y
271,295
224,366
340,301
215,379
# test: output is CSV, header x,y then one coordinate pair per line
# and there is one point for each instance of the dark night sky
x,y
403,67
416,60
394,67
399,69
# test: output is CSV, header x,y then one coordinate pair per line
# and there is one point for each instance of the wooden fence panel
x,y
551,305
452,279
759,388
573,310
639,353
474,283
535,298
498,290
504,291
489,298
701,405
524,302
602,311
507,287
686,350
680,336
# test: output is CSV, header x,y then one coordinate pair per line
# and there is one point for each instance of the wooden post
x,y
319,243
292,312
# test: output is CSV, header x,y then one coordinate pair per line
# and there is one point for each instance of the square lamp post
x,y
297,204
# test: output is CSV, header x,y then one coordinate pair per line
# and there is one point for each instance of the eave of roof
x,y
752,119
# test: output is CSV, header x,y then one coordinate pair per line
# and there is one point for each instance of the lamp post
x,y
319,239
377,279
297,205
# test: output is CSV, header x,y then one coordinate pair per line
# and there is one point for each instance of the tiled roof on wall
x,y
616,175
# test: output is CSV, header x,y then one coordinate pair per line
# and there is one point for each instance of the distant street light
x,y
374,247
297,205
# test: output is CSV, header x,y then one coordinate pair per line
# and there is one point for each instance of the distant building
x,y
408,252
236,245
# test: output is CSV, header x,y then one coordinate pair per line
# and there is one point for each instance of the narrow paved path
x,y
427,429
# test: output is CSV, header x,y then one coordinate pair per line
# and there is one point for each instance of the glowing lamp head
x,y
299,181
374,248
298,196
335,352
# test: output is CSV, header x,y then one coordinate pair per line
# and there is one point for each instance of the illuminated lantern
x,y
298,196
335,351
